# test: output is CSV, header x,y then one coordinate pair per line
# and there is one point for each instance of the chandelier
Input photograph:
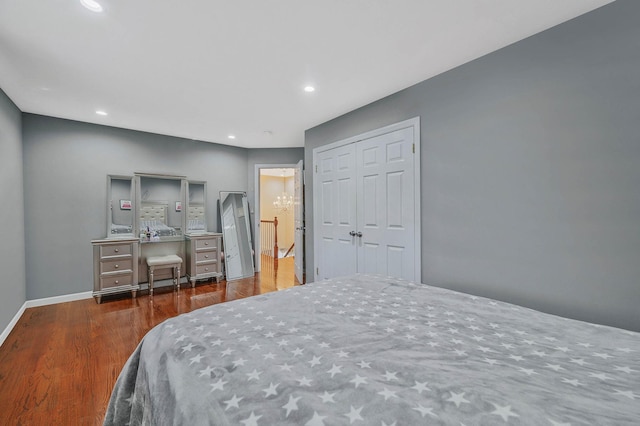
x,y
283,202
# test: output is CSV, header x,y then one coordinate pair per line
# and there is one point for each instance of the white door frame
x,y
298,222
256,208
413,123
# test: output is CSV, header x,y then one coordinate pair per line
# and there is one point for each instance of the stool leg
x,y
178,277
173,277
151,281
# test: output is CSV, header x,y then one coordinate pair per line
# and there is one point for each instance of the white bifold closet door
x,y
367,207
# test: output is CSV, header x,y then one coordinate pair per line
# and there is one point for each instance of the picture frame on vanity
x,y
178,206
125,204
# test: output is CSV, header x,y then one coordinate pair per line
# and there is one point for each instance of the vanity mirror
x,y
196,207
120,206
236,235
159,207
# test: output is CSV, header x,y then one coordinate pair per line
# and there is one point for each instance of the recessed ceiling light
x,y
100,112
309,89
231,136
92,5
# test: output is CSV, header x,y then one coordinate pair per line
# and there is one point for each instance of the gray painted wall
x,y
66,164
12,251
530,163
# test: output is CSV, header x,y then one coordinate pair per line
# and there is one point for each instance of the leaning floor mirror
x,y
236,235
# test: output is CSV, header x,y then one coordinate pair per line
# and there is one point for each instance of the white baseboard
x,y
41,302
12,323
58,299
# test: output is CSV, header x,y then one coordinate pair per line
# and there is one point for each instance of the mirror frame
x,y
110,206
138,177
245,245
188,204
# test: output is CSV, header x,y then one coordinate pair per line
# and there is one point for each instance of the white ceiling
x,y
284,173
204,69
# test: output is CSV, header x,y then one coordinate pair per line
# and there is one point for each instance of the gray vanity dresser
x,y
115,258
115,266
154,215
203,256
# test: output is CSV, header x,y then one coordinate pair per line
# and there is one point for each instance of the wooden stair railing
x,y
269,239
289,251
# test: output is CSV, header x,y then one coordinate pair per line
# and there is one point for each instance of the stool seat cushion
x,y
170,259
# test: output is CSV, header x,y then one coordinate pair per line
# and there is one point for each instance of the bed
x,y
376,350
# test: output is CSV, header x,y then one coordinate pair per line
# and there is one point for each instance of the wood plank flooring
x,y
60,362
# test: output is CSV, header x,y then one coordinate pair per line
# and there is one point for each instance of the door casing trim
x,y
413,123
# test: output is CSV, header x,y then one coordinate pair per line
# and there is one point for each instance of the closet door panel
x,y
396,217
371,258
371,201
344,202
326,198
385,204
395,260
336,175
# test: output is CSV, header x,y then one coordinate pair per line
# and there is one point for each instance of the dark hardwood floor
x,y
60,362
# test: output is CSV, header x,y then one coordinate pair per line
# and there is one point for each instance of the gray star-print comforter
x,y
372,350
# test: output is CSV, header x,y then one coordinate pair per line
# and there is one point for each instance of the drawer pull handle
x,y
206,269
206,256
206,243
116,250
117,266
117,282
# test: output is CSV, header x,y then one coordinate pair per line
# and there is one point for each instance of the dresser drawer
x,y
115,250
206,268
116,280
116,265
207,256
207,243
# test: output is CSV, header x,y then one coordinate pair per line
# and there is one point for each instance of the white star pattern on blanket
x,y
413,353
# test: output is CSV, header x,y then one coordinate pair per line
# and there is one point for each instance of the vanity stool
x,y
161,262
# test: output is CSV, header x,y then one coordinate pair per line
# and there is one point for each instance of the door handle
x,y
352,233
359,234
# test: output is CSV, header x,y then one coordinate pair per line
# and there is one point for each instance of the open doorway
x,y
277,224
